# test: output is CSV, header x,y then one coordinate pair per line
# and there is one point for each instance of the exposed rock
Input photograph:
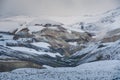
x,y
15,64
52,33
111,38
59,39
113,32
23,33
45,23
1,36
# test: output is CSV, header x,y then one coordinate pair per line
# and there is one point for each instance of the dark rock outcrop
x,y
10,65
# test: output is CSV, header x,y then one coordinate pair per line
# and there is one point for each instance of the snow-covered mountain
x,y
101,24
47,42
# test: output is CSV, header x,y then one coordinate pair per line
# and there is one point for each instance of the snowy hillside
x,y
87,47
101,24
103,70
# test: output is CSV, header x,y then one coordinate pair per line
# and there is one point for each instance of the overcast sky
x,y
58,7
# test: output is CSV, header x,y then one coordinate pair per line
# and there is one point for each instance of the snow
x,y
2,57
74,19
24,39
43,22
74,28
73,43
99,51
71,23
35,28
103,70
107,64
91,47
102,22
8,26
19,22
6,38
41,44
20,19
98,24
116,24
24,49
3,43
108,21
48,67
31,28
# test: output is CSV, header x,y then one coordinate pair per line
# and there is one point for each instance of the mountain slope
x,y
105,70
55,44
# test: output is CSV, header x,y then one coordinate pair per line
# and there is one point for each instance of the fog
x,y
56,7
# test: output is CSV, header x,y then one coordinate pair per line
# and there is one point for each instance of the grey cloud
x,y
58,7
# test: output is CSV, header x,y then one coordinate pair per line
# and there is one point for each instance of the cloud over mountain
x,y
57,7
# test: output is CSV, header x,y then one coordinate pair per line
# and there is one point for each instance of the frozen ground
x,y
101,24
103,70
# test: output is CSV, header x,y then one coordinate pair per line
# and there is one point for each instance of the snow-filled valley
x,y
60,48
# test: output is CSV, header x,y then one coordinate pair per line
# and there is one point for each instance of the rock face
x,y
57,36
23,33
112,36
10,65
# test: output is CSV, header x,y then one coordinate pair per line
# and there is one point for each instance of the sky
x,y
56,7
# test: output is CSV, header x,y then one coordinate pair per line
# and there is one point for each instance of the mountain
x,y
47,42
102,25
52,41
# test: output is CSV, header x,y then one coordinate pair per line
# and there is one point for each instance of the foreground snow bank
x,y
103,70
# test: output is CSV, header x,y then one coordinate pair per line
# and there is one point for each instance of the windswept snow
x,y
99,51
8,26
29,50
35,28
42,44
103,70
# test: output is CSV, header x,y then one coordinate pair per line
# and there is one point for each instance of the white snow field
x,y
103,70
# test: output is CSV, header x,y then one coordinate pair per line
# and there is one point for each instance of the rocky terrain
x,y
31,42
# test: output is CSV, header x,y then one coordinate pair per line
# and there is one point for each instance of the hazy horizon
x,y
57,7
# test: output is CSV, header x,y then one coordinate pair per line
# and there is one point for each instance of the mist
x,y
56,7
